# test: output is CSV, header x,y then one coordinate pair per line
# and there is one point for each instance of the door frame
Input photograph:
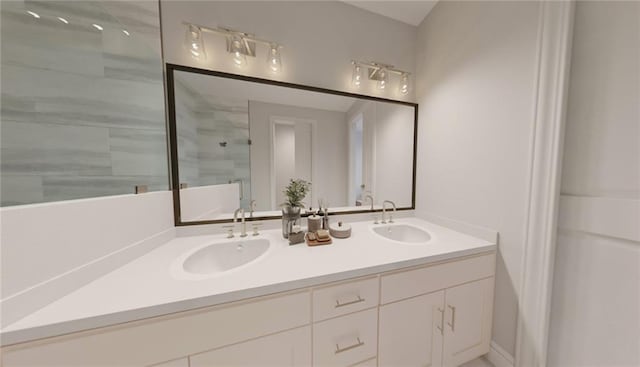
x,y
555,33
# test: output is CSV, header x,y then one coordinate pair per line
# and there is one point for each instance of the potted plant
x,y
295,192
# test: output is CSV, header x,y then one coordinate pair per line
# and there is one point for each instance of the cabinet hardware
x,y
358,344
358,300
441,326
452,324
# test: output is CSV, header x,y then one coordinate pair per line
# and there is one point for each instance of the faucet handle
x,y
229,230
375,219
390,218
255,228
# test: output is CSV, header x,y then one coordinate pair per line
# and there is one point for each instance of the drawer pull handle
x,y
441,326
340,350
452,324
357,300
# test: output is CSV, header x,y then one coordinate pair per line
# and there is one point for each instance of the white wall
x,y
331,152
320,39
394,153
476,74
595,315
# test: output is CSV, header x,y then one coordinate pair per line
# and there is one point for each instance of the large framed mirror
x,y
237,141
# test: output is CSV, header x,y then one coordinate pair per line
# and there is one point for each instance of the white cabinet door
x,y
411,332
468,315
289,348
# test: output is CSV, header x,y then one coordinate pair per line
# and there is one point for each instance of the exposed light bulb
x,y
384,78
274,60
404,83
356,77
97,26
193,42
33,14
239,58
63,20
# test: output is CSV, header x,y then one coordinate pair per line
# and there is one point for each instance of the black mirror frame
x,y
173,136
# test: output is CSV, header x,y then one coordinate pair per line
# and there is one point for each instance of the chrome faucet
x,y
371,199
243,227
384,210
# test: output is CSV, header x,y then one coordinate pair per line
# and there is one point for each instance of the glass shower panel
x,y
82,100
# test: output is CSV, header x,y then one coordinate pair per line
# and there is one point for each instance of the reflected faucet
x,y
371,199
243,232
384,210
252,208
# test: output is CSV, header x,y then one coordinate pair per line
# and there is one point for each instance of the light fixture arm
x,y
379,66
379,73
230,33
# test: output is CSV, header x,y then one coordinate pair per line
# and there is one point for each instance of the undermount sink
x,y
403,233
221,257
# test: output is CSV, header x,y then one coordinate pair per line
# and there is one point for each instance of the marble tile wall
x,y
82,110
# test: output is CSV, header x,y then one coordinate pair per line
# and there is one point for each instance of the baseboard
x,y
499,357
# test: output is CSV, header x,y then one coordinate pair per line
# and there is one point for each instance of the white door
x,y
356,163
286,349
411,332
291,156
468,317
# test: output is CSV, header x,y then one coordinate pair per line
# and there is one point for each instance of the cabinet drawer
x,y
346,340
415,282
340,299
165,338
289,348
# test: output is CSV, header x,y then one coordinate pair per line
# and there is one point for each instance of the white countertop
x,y
146,287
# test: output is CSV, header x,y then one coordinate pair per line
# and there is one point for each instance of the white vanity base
x,y
393,305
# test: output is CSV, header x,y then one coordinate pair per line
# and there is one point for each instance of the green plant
x,y
296,191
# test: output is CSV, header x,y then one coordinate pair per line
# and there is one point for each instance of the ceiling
x,y
410,12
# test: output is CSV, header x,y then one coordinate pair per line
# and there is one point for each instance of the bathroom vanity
x,y
367,300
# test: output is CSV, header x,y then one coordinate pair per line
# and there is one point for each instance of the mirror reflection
x,y
240,142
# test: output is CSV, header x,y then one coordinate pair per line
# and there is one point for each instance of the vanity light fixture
x,y
274,60
63,20
239,44
126,32
356,78
33,14
239,49
379,73
194,43
97,26
383,79
404,83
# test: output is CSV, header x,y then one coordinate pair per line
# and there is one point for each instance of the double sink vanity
x,y
407,293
